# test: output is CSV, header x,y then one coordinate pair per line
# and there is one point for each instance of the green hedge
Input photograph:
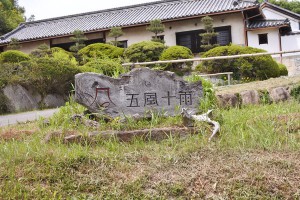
x,y
51,75
282,70
107,67
254,68
144,51
100,50
176,53
13,56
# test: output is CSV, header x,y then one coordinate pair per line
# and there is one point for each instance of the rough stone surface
x,y
228,100
53,101
250,97
279,94
19,98
137,92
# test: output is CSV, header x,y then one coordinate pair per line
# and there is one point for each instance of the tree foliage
x,y
115,32
208,35
253,68
156,27
100,50
79,39
293,5
11,15
176,53
144,51
14,44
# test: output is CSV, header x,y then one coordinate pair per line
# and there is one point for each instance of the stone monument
x,y
136,93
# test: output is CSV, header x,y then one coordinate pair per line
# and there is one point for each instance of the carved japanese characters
x,y
137,92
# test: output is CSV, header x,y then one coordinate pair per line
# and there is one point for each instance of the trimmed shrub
x,y
100,50
61,54
282,70
254,68
107,67
13,56
144,51
176,53
45,75
42,51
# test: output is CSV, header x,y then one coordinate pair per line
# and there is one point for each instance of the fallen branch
x,y
204,118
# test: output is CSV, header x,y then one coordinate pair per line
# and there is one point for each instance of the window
x,y
122,44
263,38
192,40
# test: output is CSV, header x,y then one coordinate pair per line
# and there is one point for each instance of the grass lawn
x,y
255,156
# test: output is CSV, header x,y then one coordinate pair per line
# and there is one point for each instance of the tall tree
x,y
156,27
293,5
11,15
208,35
115,32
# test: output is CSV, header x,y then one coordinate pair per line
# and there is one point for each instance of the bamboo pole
x,y
209,58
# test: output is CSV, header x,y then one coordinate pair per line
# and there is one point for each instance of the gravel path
x,y
10,119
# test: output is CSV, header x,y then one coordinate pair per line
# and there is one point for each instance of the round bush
x,y
100,50
107,67
144,51
176,53
254,68
13,56
48,75
282,70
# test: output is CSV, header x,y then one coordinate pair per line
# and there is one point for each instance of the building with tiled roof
x,y
178,16
242,22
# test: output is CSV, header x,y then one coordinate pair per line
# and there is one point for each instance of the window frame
x,y
263,38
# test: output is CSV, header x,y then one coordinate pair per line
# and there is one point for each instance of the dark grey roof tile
x,y
267,23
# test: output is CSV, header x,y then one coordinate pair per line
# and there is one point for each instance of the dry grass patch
x,y
13,134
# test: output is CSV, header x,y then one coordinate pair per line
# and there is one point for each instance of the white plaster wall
x,y
138,34
291,60
290,42
66,39
272,14
29,47
273,40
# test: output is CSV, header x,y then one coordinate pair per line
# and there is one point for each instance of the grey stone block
x,y
137,92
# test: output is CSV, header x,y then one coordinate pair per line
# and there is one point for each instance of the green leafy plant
x,y
282,70
115,32
208,35
144,51
13,56
255,68
14,44
99,51
208,100
295,92
156,27
176,53
106,66
78,39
